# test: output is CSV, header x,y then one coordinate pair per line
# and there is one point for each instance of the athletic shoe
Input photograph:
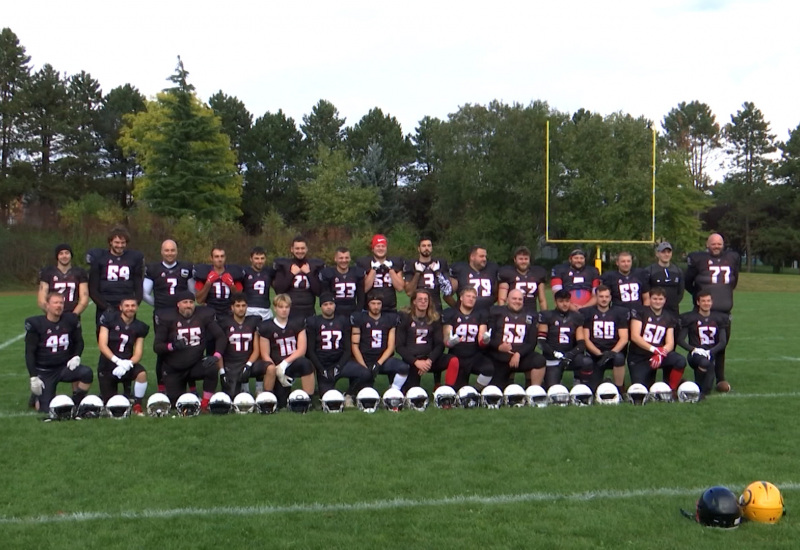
x,y
137,409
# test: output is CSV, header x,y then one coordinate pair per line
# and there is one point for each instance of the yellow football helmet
x,y
761,501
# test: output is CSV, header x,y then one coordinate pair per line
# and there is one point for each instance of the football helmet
x,y
468,397
299,402
688,392
158,405
188,404
537,397
637,394
393,400
607,394
444,397
244,403
266,403
119,406
581,395
220,403
761,501
417,399
660,392
90,406
368,400
492,397
718,507
558,395
61,407
333,401
514,396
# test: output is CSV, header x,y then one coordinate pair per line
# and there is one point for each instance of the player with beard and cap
x,y
530,279
628,285
578,279
384,274
715,270
480,274
69,280
298,276
345,282
429,274
667,276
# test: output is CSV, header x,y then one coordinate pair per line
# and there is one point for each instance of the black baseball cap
x,y
325,297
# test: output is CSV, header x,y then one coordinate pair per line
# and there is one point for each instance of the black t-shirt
x,y
68,284
168,282
669,278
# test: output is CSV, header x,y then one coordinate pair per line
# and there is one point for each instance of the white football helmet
x,y
393,400
558,395
492,397
333,401
515,396
220,403
61,407
417,399
469,398
158,405
188,404
266,403
607,394
445,397
244,403
581,395
660,391
537,397
90,406
688,392
368,400
637,394
299,402
119,406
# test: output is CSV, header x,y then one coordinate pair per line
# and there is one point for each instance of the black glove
x,y
245,376
565,363
606,357
209,362
180,344
376,368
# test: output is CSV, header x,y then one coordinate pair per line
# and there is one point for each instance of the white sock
x,y
139,389
399,380
259,388
483,380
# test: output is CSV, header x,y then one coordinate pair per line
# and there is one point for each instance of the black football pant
x,y
719,360
177,380
358,376
599,369
390,368
109,384
672,366
235,376
300,367
703,372
51,378
503,371
582,368
415,378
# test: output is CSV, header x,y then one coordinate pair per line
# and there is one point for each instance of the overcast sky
x,y
417,58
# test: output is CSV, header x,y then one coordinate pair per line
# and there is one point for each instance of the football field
x,y
597,477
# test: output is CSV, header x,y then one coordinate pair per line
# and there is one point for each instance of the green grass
x,y
605,477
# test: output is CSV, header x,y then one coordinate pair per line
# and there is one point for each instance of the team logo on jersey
x,y
558,323
49,331
528,319
185,273
413,324
116,328
232,329
180,324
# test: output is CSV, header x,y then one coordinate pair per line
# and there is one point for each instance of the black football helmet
x,y
718,507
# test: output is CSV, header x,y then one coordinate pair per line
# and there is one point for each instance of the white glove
x,y
280,372
419,267
435,265
487,336
388,263
36,385
558,355
453,340
222,371
375,264
115,359
74,362
123,366
119,372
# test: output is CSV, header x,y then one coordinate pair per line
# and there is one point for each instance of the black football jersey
x,y
50,345
484,282
115,277
561,328
515,328
654,330
168,282
282,341
428,279
466,326
717,275
67,283
239,338
626,290
374,333
347,288
704,331
196,330
329,337
122,337
603,327
531,283
383,280
302,288
416,338
587,278
669,278
219,297
256,286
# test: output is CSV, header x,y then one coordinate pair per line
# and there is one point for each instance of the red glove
x,y
655,361
227,279
212,276
661,351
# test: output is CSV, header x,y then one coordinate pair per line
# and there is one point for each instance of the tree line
x,y
477,176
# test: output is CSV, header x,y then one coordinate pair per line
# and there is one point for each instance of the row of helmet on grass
x,y
761,501
369,400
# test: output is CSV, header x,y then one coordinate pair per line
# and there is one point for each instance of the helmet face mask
x,y
558,395
660,392
469,398
762,501
299,402
188,404
718,507
492,397
393,400
537,396
607,394
637,394
417,399
90,407
266,403
333,401
368,400
220,403
688,392
515,396
445,397
244,403
158,405
581,395
119,407
62,407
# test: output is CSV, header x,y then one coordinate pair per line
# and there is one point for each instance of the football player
x,y
480,274
628,286
578,279
652,333
71,281
513,342
419,338
162,283
717,271
705,330
283,342
605,336
666,275
115,273
465,335
384,274
240,359
372,339
181,337
256,283
298,277
53,346
329,350
215,283
345,282
428,273
121,344
530,279
561,337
